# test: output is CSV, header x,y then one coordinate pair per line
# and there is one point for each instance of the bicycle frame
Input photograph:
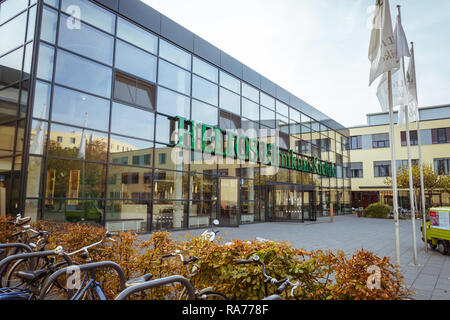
x,y
92,285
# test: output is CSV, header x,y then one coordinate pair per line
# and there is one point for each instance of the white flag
x,y
82,151
400,40
399,90
37,142
411,82
382,47
413,115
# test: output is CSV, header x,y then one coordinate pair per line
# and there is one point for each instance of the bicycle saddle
x,y
139,280
32,275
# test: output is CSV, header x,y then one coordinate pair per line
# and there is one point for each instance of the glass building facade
x,y
91,99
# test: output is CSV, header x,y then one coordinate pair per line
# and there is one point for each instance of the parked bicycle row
x,y
31,271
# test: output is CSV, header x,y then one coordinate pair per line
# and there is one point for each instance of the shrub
x,y
378,210
322,274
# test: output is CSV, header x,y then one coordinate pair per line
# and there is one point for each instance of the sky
x,y
317,49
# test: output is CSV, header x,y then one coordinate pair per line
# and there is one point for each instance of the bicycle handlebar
x,y
16,245
157,283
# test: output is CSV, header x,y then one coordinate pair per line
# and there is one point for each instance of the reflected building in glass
x,y
91,97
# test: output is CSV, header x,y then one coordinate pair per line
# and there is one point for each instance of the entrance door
x,y
229,201
284,202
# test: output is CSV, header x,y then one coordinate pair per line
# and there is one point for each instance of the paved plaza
x,y
430,279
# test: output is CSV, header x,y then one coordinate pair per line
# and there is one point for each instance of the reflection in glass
x,y
137,36
131,90
91,13
173,104
127,215
13,33
41,100
38,138
205,70
90,211
230,101
76,72
49,24
34,177
229,82
132,121
130,182
267,101
165,129
169,215
74,107
7,136
174,78
202,213
10,67
9,9
135,61
87,41
204,113
174,54
229,201
170,185
250,109
250,92
67,142
45,63
129,151
204,90
9,99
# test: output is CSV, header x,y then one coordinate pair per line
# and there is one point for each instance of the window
x,y
282,109
10,67
86,41
441,135
59,139
130,178
380,140
404,163
250,109
13,33
122,160
132,121
131,90
137,36
412,137
142,160
382,169
135,61
267,117
205,70
267,101
229,121
76,72
72,140
354,170
174,55
173,104
162,158
230,101
92,14
77,108
204,113
250,92
356,142
45,63
442,166
204,90
49,24
9,9
174,78
230,82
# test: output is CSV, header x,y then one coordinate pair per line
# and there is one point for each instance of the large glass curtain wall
x,y
100,141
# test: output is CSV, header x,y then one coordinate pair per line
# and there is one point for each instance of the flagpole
x,y
394,172
411,182
422,183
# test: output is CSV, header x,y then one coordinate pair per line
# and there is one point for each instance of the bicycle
x,y
203,294
282,284
210,235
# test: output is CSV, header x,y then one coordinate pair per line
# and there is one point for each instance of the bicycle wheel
x,y
12,279
212,295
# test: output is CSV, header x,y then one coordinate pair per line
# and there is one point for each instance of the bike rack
x,y
157,283
30,255
84,267
16,245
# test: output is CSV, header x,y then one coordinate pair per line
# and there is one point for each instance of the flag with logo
x,y
82,151
382,47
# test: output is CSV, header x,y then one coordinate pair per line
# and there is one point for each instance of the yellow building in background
x,y
370,156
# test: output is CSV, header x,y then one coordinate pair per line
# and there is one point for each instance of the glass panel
x,y
250,92
174,78
49,24
282,109
165,129
75,179
38,137
80,109
204,113
173,104
137,36
267,117
169,215
230,82
250,109
90,211
67,142
170,185
172,158
11,67
9,99
129,89
127,215
45,63
229,201
89,13
53,3
31,23
10,8
142,64
267,101
129,183
123,150
27,62
87,41
13,33
201,214
34,177
230,101
204,187
83,74
205,70
250,212
204,90
174,54
132,121
41,100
